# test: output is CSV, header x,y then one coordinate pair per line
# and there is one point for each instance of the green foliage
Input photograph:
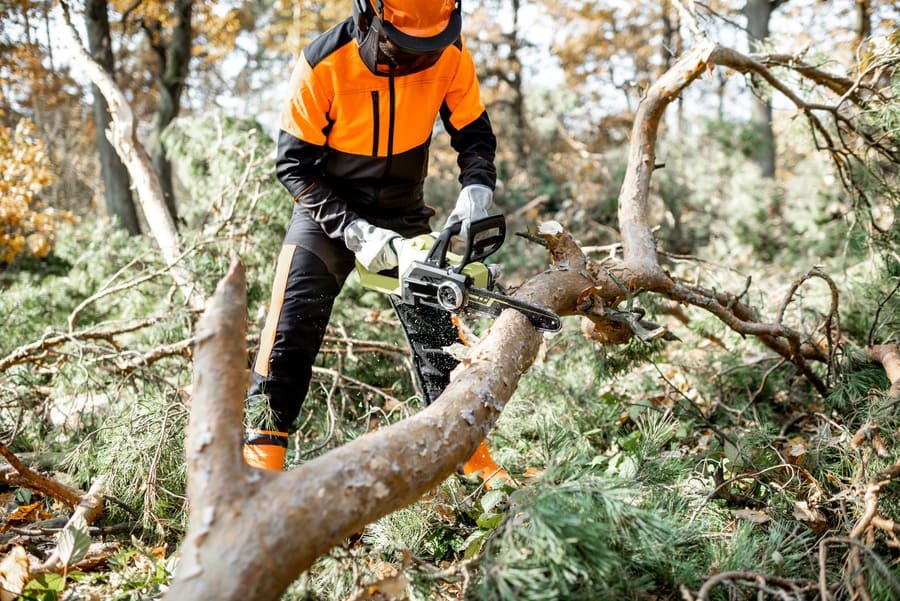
x,y
857,377
237,206
133,422
46,587
548,549
140,451
777,549
642,467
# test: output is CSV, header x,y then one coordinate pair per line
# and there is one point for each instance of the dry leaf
x,y
14,573
26,514
814,518
532,472
758,517
795,450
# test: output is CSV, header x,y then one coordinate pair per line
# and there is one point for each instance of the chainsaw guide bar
x,y
439,278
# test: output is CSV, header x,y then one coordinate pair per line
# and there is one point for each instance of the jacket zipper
x,y
376,113
392,100
390,130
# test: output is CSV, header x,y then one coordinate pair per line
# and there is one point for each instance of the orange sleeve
x,y
306,114
464,96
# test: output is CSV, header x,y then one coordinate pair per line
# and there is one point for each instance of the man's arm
x,y
301,145
476,145
297,171
467,122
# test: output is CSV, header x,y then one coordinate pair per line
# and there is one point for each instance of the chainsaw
x,y
430,274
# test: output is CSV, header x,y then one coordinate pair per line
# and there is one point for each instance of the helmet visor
x,y
401,62
423,45
383,57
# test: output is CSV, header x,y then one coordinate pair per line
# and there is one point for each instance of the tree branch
x,y
123,136
71,497
336,494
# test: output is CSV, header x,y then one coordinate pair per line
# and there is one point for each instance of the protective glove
x,y
371,245
473,204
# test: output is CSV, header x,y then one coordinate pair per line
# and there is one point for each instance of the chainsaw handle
x,y
483,238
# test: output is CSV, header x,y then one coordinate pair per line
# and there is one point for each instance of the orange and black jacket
x,y
355,144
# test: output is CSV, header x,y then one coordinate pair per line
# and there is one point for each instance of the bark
x,y
174,63
758,13
123,135
889,356
641,266
116,181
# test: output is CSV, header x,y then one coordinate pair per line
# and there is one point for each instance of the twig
x,y
182,347
788,588
88,509
322,371
881,304
25,353
736,478
332,419
28,478
823,563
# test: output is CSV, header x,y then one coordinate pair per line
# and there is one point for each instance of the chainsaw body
x,y
428,273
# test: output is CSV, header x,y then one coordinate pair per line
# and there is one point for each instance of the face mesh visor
x,y
384,57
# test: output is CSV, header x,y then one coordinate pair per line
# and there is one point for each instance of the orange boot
x,y
265,449
487,469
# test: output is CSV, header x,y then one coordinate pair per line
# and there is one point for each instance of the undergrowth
x,y
642,470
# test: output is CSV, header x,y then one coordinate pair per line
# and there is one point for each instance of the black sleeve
x,y
476,145
297,169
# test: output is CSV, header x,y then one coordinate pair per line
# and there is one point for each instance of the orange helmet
x,y
415,26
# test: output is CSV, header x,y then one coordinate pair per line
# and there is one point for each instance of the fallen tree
x,y
231,552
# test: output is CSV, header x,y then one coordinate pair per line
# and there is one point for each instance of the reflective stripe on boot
x,y
483,464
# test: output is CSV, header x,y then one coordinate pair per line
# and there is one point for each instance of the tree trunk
x,y
123,135
863,21
758,13
174,66
116,182
520,134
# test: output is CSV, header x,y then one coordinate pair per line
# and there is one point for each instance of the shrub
x,y
26,227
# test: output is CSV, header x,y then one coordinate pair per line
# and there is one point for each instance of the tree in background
x,y
42,118
169,36
758,14
116,181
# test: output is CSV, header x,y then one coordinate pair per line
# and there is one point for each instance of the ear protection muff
x,y
363,14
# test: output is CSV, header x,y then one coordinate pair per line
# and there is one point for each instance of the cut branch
x,y
889,356
22,475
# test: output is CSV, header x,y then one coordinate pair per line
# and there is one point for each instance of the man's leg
x,y
310,271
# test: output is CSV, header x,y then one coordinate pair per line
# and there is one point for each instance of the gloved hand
x,y
371,245
473,204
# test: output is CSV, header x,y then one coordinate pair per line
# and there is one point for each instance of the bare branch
x,y
123,136
26,477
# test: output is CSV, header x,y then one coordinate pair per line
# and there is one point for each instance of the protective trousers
x,y
310,272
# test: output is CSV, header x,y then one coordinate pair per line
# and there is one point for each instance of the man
x,y
353,153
